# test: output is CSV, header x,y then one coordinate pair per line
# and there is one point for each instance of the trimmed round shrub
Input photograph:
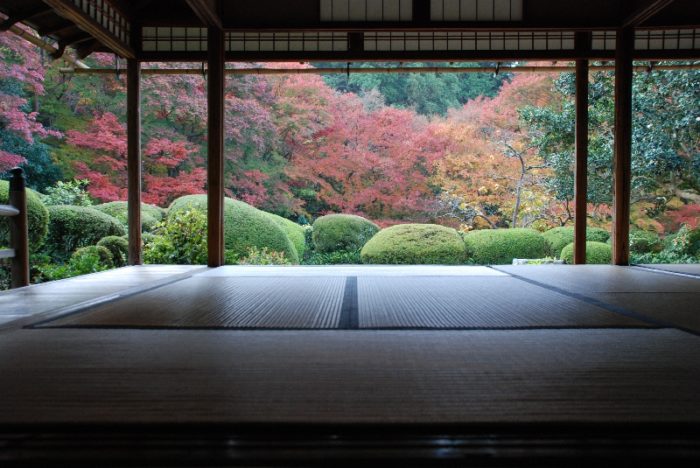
x,y
415,244
118,247
501,246
559,237
244,227
294,231
597,253
645,242
71,227
102,253
150,214
342,233
37,218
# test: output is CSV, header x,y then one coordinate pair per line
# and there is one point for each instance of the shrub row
x,y
340,238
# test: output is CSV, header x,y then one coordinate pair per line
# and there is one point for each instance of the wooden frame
x,y
536,18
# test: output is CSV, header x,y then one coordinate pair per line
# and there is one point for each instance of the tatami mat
x,y
44,297
474,303
686,269
590,279
269,302
675,309
180,376
337,302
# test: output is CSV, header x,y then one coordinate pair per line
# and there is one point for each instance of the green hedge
x,y
560,237
501,246
244,227
37,217
597,253
294,231
150,214
118,247
342,233
71,227
415,244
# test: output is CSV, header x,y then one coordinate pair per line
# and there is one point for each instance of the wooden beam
x,y
581,172
70,12
645,13
76,39
207,12
215,162
133,129
623,146
84,50
381,70
59,51
43,45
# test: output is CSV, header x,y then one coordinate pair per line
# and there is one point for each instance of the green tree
x,y
666,143
427,93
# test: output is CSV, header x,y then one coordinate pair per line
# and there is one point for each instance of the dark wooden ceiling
x,y
304,15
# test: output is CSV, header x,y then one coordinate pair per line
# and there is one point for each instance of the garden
x,y
74,239
411,168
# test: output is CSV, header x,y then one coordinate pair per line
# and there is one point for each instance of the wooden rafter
x,y
647,12
84,22
206,11
87,48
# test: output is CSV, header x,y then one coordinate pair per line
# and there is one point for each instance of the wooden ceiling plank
x,y
70,12
207,12
22,16
645,13
59,29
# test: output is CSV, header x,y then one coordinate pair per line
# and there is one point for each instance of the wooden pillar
x,y
133,132
622,165
19,230
215,161
581,173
